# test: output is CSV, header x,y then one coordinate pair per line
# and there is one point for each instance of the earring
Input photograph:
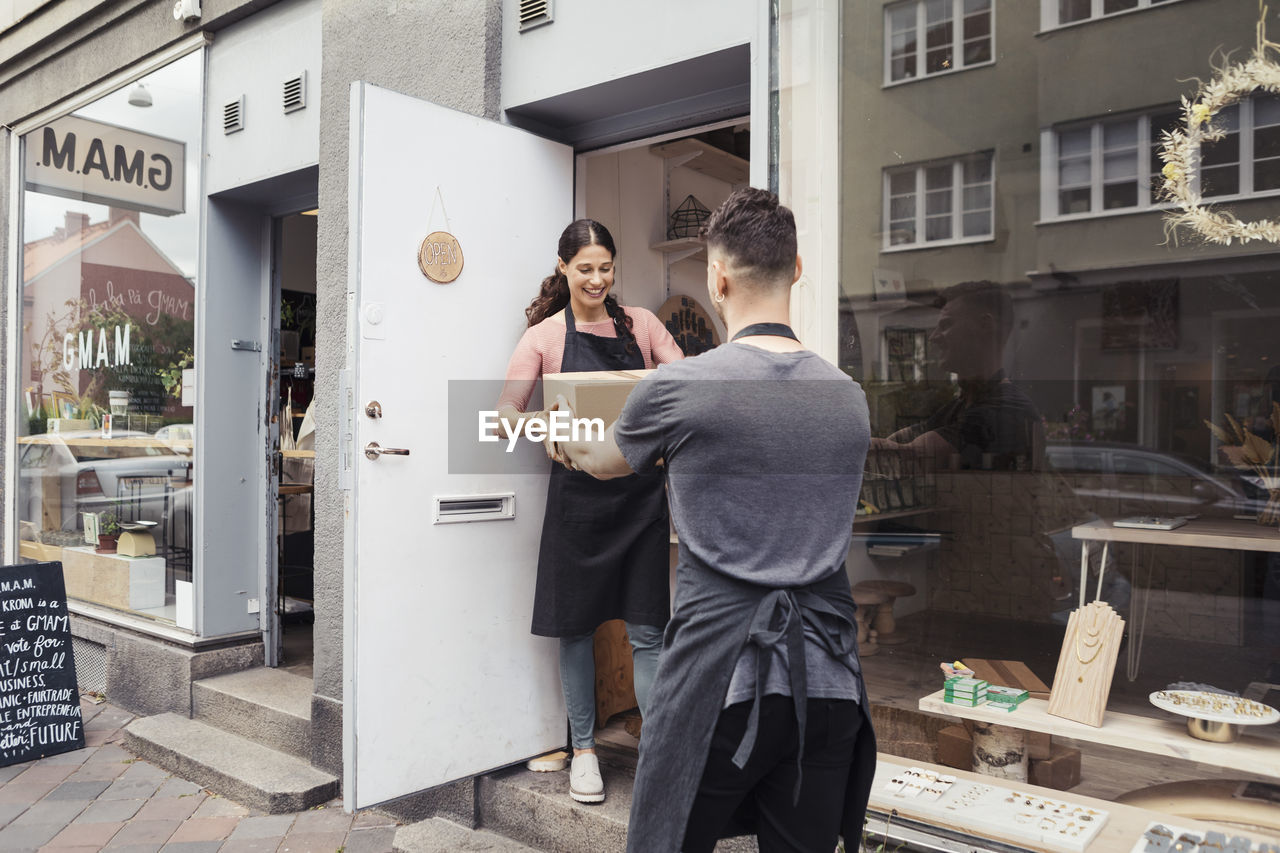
x,y
719,297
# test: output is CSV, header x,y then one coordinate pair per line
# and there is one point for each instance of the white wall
x,y
592,41
254,58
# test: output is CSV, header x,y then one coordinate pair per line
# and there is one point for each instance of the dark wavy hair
x,y
554,292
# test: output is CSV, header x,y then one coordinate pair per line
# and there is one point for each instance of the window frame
x,y
920,213
1050,12
1050,158
921,33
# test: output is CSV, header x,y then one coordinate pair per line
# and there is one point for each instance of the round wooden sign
x,y
440,257
690,324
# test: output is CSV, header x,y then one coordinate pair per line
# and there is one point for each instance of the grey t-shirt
x,y
764,454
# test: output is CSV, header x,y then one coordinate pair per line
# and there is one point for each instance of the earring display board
x,y
1013,814
1087,664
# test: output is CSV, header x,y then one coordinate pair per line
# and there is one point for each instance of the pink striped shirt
x,y
541,349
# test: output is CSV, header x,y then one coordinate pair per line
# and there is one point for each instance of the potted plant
x,y
108,532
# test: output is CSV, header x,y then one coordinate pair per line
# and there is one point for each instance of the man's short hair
x,y
757,233
984,297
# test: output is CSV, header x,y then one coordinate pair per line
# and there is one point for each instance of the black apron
x,y
605,543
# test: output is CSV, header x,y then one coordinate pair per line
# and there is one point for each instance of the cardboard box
x,y
955,748
1039,745
592,394
1059,771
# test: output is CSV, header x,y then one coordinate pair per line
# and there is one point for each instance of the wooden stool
x,y
884,621
868,601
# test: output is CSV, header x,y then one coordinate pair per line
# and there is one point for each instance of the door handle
x,y
373,450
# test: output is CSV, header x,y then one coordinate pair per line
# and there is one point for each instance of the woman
x,y
604,549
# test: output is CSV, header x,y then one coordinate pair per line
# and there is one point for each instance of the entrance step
x,y
238,768
438,835
535,809
267,705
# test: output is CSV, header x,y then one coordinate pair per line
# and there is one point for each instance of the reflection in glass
x,y
109,256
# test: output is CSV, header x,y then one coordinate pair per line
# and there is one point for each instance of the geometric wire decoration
x,y
687,219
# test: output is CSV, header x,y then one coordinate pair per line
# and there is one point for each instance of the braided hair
x,y
553,295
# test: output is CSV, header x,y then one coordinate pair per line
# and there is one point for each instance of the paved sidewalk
x,y
102,798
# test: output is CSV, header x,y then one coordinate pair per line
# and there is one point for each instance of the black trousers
x,y
765,787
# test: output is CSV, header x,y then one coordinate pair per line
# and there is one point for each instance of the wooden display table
x,y
1169,738
125,583
1226,533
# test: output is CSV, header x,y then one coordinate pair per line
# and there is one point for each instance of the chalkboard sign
x,y
39,701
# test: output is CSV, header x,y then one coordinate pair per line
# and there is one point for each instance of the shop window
x,y
1056,13
927,37
110,247
1100,167
937,203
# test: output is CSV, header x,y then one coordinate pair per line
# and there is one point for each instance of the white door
x,y
443,679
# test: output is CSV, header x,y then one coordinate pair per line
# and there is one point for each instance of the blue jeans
x,y
578,677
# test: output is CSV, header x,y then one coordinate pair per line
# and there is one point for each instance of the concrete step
x,y
238,768
438,835
267,705
535,809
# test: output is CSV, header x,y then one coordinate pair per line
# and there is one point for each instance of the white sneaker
x,y
585,784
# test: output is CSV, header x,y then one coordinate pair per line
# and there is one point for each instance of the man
x,y
991,424
757,718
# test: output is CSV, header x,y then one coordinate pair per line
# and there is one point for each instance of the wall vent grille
x,y
295,93
233,116
534,13
91,665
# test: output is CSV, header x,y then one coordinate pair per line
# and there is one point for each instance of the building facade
x,y
219,316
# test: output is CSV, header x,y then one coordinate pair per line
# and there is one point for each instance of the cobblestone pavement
x,y
103,798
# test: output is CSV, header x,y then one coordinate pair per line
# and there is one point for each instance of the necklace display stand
x,y
1087,664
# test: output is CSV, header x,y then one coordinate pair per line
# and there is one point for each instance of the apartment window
x,y
941,202
925,37
1057,13
1116,164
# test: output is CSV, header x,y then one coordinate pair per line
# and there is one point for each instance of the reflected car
x,y
61,475
1140,481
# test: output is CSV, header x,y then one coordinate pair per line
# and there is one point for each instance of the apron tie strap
x,y
794,609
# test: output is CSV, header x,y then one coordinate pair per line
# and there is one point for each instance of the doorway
x,y
294,367
654,195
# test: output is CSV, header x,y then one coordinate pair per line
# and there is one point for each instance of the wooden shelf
x,y
872,518
1169,738
681,248
707,159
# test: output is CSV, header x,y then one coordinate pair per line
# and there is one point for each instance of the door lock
x,y
373,450
373,409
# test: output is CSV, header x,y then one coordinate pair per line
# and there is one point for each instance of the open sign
x,y
77,158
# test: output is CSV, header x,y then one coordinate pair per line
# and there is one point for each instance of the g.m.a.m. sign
x,y
74,157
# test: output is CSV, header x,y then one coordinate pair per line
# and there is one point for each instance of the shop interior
x,y
296,369
653,196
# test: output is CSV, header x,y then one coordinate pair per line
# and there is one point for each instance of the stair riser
x,y
272,728
230,787
547,821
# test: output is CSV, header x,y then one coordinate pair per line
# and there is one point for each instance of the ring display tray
x,y
1163,838
1007,813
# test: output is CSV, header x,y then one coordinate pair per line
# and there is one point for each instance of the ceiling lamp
x,y
140,97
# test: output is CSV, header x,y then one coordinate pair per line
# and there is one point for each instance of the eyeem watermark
x,y
559,426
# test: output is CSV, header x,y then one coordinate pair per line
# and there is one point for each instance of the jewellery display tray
x,y
1167,700
1008,813
1163,838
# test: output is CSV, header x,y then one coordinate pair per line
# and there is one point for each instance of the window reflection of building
x,y
107,342
1123,342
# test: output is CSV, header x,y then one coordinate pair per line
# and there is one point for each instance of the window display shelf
x,y
875,517
1254,753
